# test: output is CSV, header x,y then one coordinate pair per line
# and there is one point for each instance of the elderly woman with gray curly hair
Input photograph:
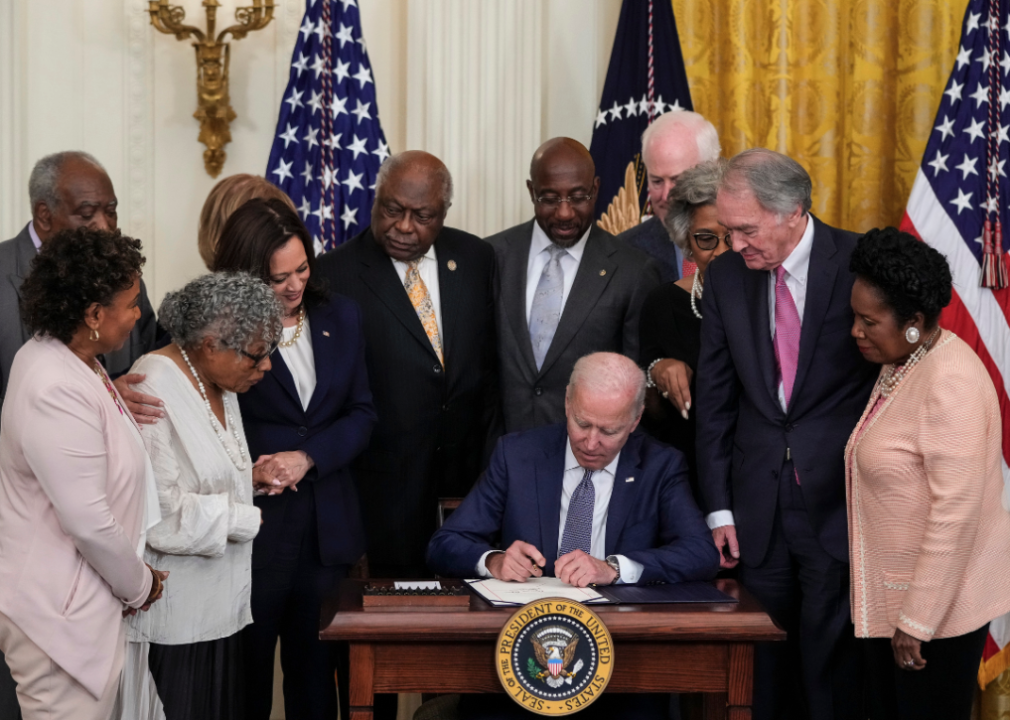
x,y
224,327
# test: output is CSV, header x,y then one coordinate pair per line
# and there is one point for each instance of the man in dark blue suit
x,y
588,502
781,385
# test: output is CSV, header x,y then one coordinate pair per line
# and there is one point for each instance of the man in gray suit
x,y
673,143
66,190
564,289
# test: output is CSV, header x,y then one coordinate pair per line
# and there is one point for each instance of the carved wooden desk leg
x,y
741,682
362,681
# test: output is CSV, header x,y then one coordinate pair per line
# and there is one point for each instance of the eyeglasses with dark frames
x,y
710,241
257,359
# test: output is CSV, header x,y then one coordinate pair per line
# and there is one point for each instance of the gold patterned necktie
x,y
417,291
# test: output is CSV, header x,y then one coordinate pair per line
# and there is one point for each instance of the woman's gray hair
x,y
234,309
779,183
45,177
609,374
695,188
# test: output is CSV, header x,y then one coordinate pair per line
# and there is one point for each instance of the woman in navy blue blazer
x,y
305,422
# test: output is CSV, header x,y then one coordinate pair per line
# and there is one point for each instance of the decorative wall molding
x,y
474,100
137,185
13,174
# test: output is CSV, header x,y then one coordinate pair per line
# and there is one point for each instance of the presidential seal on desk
x,y
554,656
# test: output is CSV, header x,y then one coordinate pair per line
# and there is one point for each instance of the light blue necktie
x,y
578,533
546,310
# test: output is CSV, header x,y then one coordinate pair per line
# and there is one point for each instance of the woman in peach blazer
x,y
72,483
929,538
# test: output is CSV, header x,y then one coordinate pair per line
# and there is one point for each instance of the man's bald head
x,y
413,192
68,190
562,169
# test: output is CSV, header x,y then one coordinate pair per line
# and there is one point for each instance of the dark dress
x,y
309,538
670,329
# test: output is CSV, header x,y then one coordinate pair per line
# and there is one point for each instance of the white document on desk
x,y
500,593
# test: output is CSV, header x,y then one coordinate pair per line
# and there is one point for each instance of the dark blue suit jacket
x,y
333,431
652,520
743,432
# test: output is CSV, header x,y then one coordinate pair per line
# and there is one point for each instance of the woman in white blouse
x,y
224,328
305,423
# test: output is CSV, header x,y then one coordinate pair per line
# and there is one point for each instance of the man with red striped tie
x,y
781,384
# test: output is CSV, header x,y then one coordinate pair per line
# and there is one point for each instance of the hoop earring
x,y
912,335
94,335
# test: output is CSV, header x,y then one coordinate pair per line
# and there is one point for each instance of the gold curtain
x,y
849,88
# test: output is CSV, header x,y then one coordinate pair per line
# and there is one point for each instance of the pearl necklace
x,y
227,414
696,289
896,373
298,330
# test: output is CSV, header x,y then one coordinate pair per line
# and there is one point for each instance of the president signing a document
x,y
590,502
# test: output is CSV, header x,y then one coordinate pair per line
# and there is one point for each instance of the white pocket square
x,y
630,479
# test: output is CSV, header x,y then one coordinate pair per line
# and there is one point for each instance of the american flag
x,y
329,143
959,206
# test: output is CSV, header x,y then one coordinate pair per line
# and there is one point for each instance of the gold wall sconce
x,y
214,109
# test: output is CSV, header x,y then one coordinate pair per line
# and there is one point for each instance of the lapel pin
x,y
326,333
630,479
451,265
602,273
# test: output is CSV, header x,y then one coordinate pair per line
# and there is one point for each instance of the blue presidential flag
x,y
329,143
646,78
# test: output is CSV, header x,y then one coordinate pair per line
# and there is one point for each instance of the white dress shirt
x,y
603,486
427,268
797,267
540,255
300,361
36,241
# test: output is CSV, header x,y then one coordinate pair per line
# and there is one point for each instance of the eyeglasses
x,y
710,241
553,201
257,359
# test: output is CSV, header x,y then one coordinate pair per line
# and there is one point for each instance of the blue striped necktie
x,y
578,533
545,313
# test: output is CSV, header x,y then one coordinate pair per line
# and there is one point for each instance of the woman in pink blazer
x,y
929,538
72,483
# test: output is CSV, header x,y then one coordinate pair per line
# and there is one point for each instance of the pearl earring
x,y
912,335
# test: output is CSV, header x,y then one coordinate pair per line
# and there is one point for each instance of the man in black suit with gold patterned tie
x,y
425,292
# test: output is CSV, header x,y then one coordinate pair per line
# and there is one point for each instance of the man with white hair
x,y
588,501
781,384
674,142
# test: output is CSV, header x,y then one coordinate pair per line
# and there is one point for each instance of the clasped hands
x,y
272,474
157,590
522,560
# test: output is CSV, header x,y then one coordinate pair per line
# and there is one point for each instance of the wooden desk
x,y
657,648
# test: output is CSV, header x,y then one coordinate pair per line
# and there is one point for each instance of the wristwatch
x,y
612,562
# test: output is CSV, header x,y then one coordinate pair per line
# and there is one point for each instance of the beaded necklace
x,y
298,330
896,373
108,385
228,418
696,289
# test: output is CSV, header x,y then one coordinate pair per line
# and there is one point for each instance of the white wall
x,y
478,82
